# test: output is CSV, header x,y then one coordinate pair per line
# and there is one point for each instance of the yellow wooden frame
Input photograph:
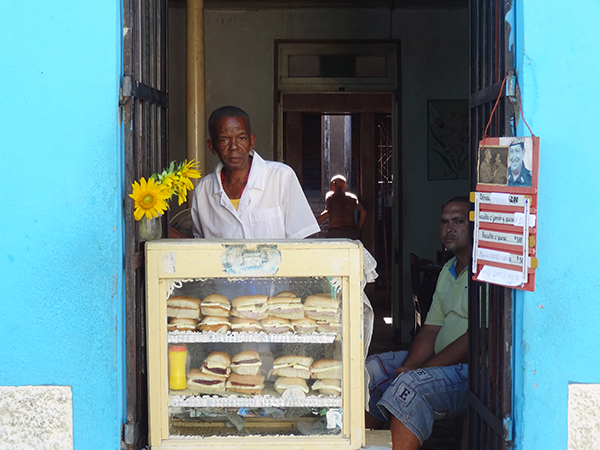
x,y
167,260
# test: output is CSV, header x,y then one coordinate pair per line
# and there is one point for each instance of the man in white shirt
x,y
247,197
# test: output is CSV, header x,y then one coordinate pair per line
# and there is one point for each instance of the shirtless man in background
x,y
339,209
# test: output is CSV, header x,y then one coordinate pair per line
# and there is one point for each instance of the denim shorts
x,y
416,398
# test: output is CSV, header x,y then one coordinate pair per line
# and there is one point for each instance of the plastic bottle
x,y
177,363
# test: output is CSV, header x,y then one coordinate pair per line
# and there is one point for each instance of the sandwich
x,y
285,305
182,324
328,386
246,363
183,307
250,306
243,324
321,307
276,325
327,368
292,366
329,326
245,384
217,364
204,382
215,323
215,305
304,325
283,383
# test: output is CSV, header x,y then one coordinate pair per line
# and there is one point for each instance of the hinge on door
x,y
127,434
125,91
507,425
511,87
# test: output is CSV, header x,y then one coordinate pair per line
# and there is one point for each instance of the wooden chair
x,y
423,278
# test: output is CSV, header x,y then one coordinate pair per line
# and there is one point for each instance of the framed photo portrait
x,y
510,162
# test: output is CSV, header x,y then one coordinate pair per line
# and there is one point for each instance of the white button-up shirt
x,y
272,206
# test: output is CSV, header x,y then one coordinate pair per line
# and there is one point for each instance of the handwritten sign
x,y
500,238
516,219
498,275
500,257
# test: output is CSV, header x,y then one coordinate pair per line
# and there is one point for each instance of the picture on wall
x,y
492,165
506,161
447,139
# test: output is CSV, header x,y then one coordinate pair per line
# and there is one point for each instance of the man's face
x,y
454,229
232,142
515,156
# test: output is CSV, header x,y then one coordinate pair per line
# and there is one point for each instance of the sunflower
x,y
188,170
149,198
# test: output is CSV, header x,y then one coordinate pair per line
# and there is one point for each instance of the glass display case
x,y
255,344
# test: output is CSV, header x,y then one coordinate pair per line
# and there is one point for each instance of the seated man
x,y
339,209
429,382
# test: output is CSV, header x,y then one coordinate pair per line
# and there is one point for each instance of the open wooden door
x,y
144,103
490,306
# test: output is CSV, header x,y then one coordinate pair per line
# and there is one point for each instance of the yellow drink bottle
x,y
177,362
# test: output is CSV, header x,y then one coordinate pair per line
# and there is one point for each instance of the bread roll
x,y
217,364
215,323
182,324
283,383
293,366
250,306
216,305
328,386
327,368
183,307
246,363
245,384
276,325
204,382
304,325
245,324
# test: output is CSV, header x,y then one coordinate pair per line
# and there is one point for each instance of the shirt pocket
x,y
268,223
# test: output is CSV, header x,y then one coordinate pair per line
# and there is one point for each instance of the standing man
x,y
247,197
429,382
339,209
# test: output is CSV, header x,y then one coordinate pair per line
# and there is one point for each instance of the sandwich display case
x,y
255,345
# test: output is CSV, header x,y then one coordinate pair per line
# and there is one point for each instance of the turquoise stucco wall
x,y
61,218
558,48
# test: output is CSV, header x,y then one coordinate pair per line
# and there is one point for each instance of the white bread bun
x,y
285,294
204,382
321,306
244,324
245,384
217,364
182,324
215,305
329,327
182,306
283,383
250,306
276,325
328,386
215,323
246,363
304,325
327,368
286,307
292,366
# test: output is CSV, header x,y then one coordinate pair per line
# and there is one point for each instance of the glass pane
x,y
371,66
255,356
303,66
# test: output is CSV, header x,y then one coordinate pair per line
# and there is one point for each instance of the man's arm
x,y
421,349
455,353
363,215
323,217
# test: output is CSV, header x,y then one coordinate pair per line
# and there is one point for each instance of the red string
x,y
521,108
485,135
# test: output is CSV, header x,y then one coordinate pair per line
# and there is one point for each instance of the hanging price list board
x,y
505,212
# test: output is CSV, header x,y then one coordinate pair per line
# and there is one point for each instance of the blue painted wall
x,y
61,273
558,61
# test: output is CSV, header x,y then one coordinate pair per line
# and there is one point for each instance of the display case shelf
x,y
180,337
257,401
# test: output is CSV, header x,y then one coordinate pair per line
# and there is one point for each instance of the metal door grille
x,y
490,306
144,110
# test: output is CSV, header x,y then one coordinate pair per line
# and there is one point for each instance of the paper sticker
x,y
497,275
241,259
501,198
499,257
500,238
334,418
168,262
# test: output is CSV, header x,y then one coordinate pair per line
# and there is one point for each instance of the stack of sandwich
x,y
183,313
245,378
326,311
220,373
328,373
282,308
213,374
292,372
216,310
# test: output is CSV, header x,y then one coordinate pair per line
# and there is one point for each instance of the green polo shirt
x,y
450,305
